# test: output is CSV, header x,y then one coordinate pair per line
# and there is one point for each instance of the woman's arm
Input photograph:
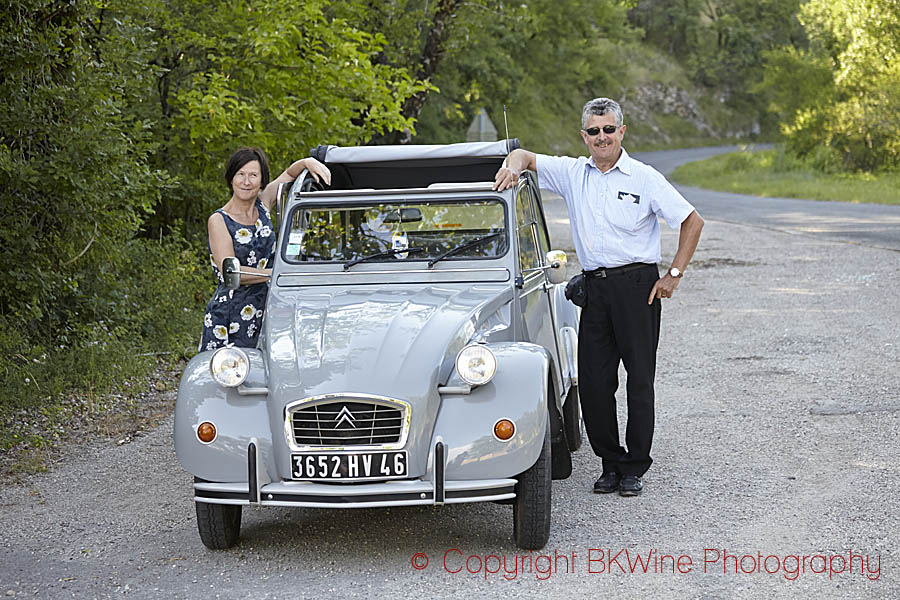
x,y
221,246
319,172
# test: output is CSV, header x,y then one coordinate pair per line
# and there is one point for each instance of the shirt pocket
x,y
625,214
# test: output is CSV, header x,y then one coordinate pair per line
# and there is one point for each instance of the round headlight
x,y
476,364
229,366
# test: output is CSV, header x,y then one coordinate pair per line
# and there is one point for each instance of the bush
x,y
837,99
163,302
153,311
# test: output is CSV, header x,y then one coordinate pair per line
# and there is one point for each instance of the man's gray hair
x,y
601,106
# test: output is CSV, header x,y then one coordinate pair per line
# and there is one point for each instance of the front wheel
x,y
219,524
572,419
531,510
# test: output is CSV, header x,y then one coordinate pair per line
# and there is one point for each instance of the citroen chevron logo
x,y
345,416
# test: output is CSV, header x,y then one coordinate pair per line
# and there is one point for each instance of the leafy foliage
x,y
114,119
73,170
283,75
837,99
539,60
827,69
723,42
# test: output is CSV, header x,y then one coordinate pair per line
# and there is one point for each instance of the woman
x,y
243,229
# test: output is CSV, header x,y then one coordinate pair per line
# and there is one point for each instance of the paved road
x,y
871,225
776,458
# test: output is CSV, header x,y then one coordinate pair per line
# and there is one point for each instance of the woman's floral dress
x,y
233,317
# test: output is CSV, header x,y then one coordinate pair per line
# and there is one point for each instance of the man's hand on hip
x,y
663,288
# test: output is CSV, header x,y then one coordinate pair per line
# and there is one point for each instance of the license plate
x,y
358,465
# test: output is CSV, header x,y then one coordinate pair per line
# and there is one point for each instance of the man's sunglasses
x,y
607,129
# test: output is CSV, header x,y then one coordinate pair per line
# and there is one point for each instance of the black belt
x,y
603,273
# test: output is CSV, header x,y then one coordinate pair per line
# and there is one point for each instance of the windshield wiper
x,y
462,247
391,252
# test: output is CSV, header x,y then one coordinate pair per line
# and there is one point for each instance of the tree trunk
x,y
431,58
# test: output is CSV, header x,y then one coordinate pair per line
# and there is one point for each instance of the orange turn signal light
x,y
206,432
504,429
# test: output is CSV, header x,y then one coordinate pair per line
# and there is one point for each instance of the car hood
x,y
390,341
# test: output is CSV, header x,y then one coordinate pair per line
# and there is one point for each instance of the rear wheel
x,y
572,422
531,510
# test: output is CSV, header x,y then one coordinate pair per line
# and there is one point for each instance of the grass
x,y
32,438
773,173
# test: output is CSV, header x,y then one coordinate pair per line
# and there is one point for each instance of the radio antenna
x,y
505,122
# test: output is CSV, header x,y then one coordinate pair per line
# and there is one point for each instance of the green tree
x,y
284,75
675,26
74,173
722,42
842,105
569,51
539,59
115,119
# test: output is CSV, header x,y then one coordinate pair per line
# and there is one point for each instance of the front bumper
x,y
360,495
407,492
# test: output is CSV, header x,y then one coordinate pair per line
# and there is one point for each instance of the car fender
x,y
239,418
465,422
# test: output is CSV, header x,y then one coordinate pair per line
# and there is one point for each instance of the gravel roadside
x,y
777,431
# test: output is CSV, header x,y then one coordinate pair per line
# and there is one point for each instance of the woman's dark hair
x,y
240,158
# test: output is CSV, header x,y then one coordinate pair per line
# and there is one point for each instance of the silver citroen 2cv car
x,y
416,349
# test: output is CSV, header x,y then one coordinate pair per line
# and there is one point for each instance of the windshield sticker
x,y
400,241
295,242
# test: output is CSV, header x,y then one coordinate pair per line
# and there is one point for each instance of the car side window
x,y
528,253
541,226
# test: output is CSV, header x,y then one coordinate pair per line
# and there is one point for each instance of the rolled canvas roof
x,y
412,166
377,154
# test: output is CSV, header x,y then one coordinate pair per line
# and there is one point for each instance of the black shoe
x,y
608,483
630,486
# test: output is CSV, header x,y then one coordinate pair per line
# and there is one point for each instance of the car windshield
x,y
396,231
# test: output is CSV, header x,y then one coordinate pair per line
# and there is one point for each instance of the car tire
x,y
219,524
572,422
531,509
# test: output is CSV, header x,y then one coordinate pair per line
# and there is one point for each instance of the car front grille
x,y
347,422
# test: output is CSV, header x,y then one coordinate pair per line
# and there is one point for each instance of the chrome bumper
x,y
362,495
411,492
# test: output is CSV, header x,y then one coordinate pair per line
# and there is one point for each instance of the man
x,y
613,203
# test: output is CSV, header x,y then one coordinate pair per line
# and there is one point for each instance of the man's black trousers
x,y
617,325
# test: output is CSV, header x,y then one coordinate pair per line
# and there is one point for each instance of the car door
x,y
563,312
534,294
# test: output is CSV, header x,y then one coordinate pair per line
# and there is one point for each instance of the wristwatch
x,y
676,272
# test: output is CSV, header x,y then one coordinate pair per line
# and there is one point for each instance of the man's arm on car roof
x,y
517,161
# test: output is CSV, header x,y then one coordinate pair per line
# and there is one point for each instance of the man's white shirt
x,y
613,215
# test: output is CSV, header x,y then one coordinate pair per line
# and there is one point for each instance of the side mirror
x,y
231,273
556,262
